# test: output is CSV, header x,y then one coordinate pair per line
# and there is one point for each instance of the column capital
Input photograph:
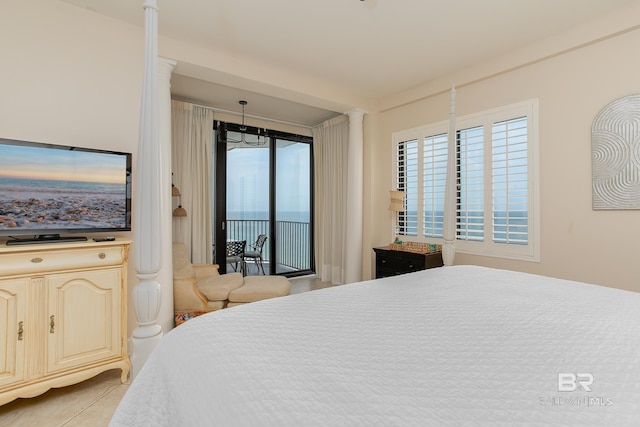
x,y
150,4
167,63
356,113
164,71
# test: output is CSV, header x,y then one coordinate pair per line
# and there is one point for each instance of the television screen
x,y
48,189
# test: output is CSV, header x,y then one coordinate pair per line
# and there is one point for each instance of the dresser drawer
x,y
47,260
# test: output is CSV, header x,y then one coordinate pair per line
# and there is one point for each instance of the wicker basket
x,y
183,316
416,247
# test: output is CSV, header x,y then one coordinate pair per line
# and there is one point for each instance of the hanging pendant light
x,y
249,139
179,211
175,192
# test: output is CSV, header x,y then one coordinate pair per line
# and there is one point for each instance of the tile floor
x,y
90,403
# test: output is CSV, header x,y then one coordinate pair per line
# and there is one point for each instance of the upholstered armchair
x,y
200,287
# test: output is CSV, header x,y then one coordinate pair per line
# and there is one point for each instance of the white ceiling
x,y
371,48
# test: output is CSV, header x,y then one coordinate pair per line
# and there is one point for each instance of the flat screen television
x,y
49,190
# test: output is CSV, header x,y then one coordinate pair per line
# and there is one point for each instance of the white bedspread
x,y
448,346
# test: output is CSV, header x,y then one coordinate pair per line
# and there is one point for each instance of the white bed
x,y
444,347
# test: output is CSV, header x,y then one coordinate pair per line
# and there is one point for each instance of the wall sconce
x,y
175,192
396,204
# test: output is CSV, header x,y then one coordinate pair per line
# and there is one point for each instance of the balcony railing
x,y
292,242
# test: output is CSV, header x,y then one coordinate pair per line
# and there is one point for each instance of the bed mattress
x,y
449,346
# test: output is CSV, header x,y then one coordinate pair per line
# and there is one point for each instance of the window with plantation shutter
x,y
470,197
510,182
407,181
496,182
435,180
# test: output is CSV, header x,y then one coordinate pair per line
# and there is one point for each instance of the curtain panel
x,y
331,143
191,159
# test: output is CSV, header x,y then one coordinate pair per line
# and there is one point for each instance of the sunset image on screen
x,y
44,187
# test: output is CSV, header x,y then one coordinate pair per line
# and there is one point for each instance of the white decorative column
x,y
449,232
165,275
148,184
355,183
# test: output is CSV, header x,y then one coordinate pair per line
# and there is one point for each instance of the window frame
x,y
486,119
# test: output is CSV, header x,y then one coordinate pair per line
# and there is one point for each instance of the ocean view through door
x,y
293,206
263,188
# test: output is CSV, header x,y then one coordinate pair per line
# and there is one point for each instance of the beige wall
x,y
70,77
576,242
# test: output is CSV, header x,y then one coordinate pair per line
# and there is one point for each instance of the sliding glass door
x,y
293,206
263,188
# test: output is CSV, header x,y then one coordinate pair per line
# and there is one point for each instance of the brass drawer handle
x,y
52,324
101,255
20,331
36,260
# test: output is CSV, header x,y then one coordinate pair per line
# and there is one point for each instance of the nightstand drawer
x,y
392,263
399,263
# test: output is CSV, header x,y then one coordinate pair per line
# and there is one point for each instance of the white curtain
x,y
191,158
331,143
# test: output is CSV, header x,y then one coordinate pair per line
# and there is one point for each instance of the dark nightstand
x,y
392,263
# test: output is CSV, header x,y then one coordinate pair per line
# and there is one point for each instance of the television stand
x,y
46,238
64,315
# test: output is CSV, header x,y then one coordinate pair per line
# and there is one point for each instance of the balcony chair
x,y
256,253
235,252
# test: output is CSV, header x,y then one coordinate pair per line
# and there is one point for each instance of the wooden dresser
x,y
65,309
392,263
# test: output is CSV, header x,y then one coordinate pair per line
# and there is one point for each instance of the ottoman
x,y
256,288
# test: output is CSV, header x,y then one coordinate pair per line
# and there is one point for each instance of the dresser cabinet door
x,y
83,318
13,294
